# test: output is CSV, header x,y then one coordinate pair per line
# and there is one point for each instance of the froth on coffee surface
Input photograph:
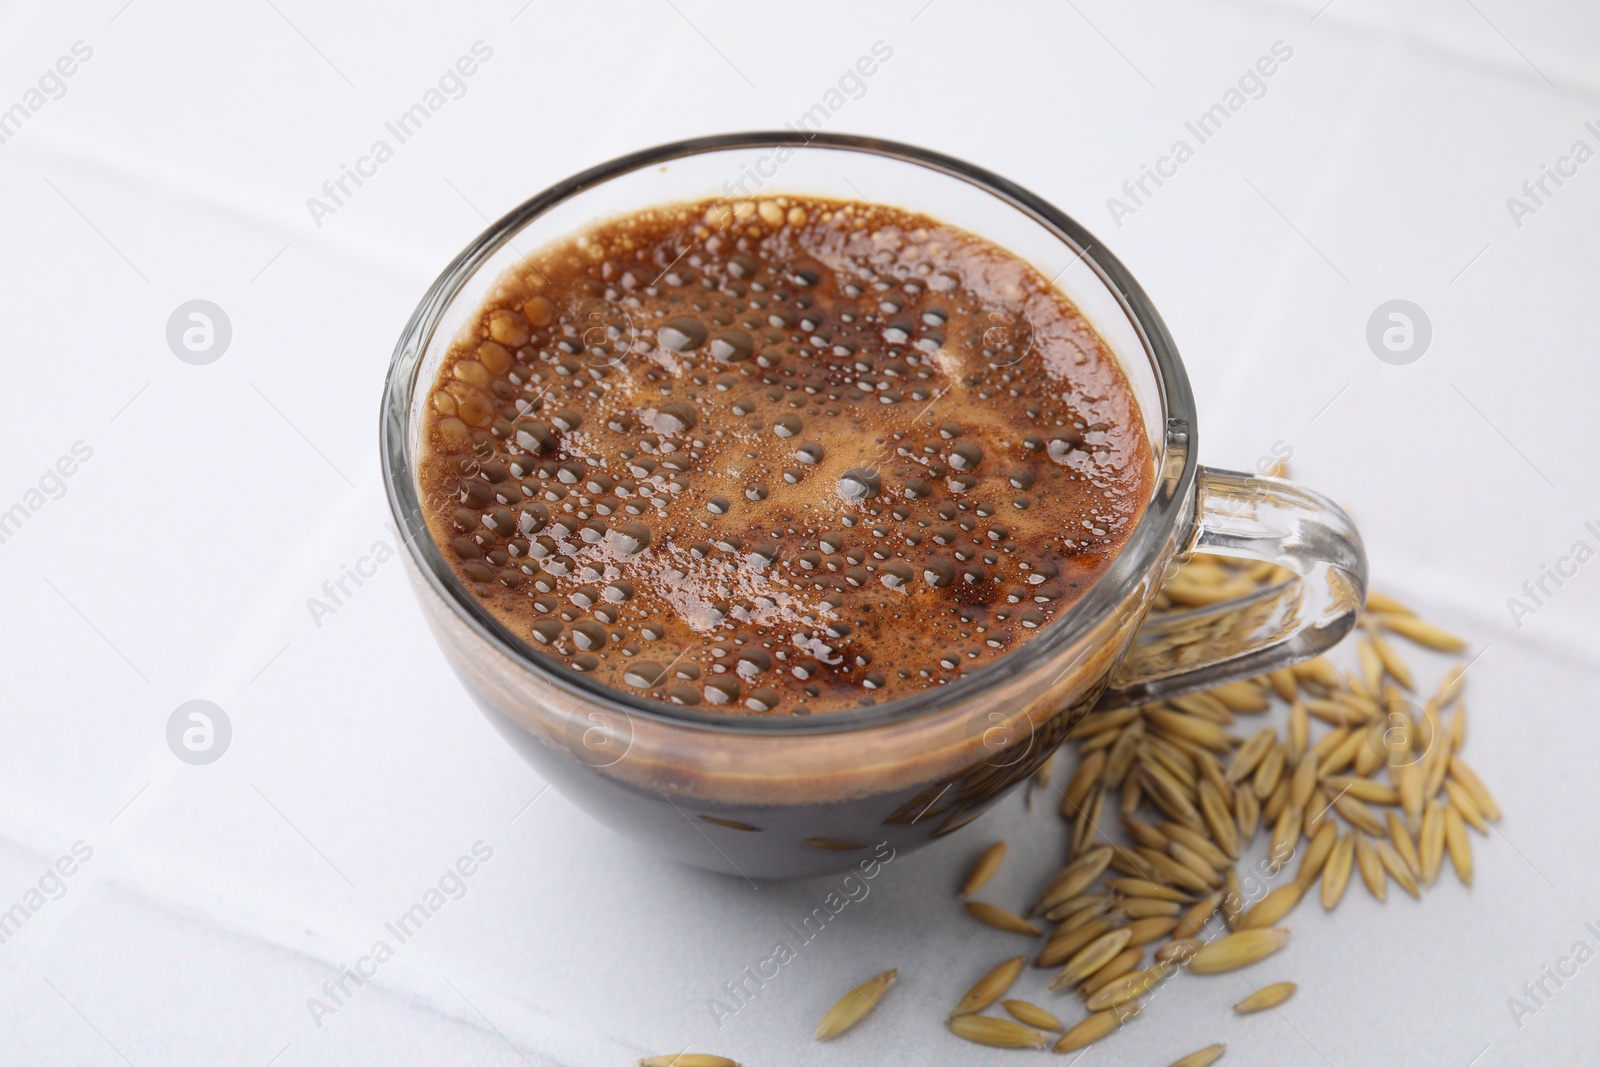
x,y
787,456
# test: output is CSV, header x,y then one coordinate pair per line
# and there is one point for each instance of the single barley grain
x,y
1236,950
1268,772
1316,854
1285,835
855,1005
688,1059
1371,867
1093,956
1195,919
1317,812
1458,728
1336,874
1087,773
1219,820
1075,877
1248,811
1364,789
1232,898
1475,788
1141,887
1095,1027
1122,963
1144,931
1430,842
1269,996
1031,1015
1425,634
1379,604
1408,781
1463,803
1128,987
1001,919
1272,907
1242,697
1404,846
991,987
1459,846
1357,814
984,868
1143,833
1392,663
996,1033
1248,755
1201,1057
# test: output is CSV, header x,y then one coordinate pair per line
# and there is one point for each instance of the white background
x,y
179,561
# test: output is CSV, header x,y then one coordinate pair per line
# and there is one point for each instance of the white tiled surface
x,y
178,563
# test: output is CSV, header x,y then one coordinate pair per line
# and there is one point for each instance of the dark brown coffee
x,y
785,456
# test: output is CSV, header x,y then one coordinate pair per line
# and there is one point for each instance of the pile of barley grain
x,y
1191,790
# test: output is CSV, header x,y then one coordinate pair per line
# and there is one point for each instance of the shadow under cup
x,y
767,797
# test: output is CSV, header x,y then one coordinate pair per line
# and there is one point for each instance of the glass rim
x,y
1174,472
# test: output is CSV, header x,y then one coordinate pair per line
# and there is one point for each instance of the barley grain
x,y
1143,887
1463,803
1031,1015
1316,854
1248,755
1392,663
1122,963
1285,835
1095,1027
1267,772
1236,950
1001,919
1087,773
1396,866
991,987
1092,957
1379,604
1247,809
1063,946
1357,814
1475,788
1144,931
855,1005
1430,841
1199,913
1269,996
1363,789
1129,986
1075,877
1371,867
1272,907
1459,846
1404,846
996,1033
1336,874
1425,634
1303,782
1204,1057
1232,898
984,868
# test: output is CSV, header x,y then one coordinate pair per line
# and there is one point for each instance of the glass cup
x,y
770,797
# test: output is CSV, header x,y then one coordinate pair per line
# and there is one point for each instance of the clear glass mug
x,y
767,797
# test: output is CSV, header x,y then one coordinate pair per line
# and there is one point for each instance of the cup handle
x,y
1268,519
